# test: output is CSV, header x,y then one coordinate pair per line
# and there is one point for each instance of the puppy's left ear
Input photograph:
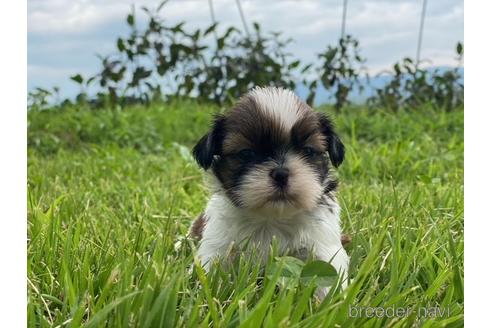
x,y
210,144
334,145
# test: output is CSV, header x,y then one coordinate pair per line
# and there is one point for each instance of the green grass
x,y
110,194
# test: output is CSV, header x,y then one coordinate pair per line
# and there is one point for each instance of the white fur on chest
x,y
317,230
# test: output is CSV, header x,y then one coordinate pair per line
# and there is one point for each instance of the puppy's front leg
x,y
338,258
213,242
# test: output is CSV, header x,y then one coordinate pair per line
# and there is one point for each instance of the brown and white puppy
x,y
270,162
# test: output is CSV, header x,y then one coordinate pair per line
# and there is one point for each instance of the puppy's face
x,y
271,152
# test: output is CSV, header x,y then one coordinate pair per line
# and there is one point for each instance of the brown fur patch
x,y
346,239
248,126
196,230
306,132
234,142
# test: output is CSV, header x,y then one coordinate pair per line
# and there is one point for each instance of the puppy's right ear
x,y
334,146
210,144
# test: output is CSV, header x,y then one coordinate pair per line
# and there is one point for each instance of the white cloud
x,y
70,17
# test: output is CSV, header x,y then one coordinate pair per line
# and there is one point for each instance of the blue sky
x,y
64,36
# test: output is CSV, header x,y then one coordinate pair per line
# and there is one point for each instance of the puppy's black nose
x,y
280,175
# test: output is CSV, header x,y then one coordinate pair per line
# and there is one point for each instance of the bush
x,y
412,87
341,70
188,64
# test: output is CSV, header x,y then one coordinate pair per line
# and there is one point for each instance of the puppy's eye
x,y
309,151
246,155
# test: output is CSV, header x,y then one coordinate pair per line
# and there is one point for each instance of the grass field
x,y
110,193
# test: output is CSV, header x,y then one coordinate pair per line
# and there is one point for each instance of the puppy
x,y
269,158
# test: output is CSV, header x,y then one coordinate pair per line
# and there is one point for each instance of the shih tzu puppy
x,y
269,158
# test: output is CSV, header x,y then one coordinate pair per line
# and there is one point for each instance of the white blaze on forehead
x,y
282,104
